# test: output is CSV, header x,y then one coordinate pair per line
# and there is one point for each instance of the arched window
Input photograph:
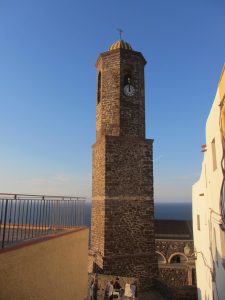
x,y
99,87
178,259
127,79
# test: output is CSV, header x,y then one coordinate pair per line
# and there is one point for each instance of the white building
x,y
208,200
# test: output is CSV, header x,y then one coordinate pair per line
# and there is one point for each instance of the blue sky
x,y
48,50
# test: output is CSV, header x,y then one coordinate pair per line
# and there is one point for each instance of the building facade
x,y
208,199
122,222
175,252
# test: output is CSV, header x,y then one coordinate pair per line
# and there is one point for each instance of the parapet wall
x,y
52,268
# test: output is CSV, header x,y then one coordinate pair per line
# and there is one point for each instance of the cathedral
x,y
122,222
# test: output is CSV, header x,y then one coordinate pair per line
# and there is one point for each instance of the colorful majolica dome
x,y
120,44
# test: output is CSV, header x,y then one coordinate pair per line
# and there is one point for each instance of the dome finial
x,y
120,32
120,44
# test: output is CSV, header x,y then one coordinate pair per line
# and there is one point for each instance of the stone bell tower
x,y
122,222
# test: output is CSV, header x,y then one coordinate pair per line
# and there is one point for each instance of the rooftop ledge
x,y
43,238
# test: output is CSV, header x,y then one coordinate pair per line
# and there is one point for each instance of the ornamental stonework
x,y
176,273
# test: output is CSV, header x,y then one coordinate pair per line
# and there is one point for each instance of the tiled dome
x,y
120,44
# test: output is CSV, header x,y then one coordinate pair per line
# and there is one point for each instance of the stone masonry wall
x,y
170,247
129,242
132,109
129,168
108,109
117,114
176,274
98,203
124,233
98,169
98,226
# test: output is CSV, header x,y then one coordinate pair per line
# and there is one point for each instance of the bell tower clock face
x,y
129,90
128,87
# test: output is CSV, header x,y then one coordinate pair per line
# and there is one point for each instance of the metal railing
x,y
24,217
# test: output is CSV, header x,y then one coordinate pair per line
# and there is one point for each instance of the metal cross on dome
x,y
120,32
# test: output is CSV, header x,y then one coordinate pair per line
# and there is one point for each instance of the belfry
x,y
122,222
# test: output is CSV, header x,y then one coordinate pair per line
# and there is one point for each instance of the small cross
x,y
120,32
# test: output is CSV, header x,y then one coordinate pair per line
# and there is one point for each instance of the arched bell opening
x,y
161,258
178,258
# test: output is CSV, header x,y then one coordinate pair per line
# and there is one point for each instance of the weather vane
x,y
120,32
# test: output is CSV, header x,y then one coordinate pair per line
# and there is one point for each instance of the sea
x,y
169,211
162,210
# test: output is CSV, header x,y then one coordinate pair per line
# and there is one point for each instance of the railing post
x,y
4,226
14,218
43,215
84,206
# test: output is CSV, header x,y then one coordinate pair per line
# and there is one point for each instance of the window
x,y
175,259
198,222
178,259
99,87
214,155
127,79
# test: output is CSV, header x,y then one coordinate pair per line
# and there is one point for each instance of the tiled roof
x,y
120,44
173,229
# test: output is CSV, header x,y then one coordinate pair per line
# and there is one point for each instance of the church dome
x,y
120,44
